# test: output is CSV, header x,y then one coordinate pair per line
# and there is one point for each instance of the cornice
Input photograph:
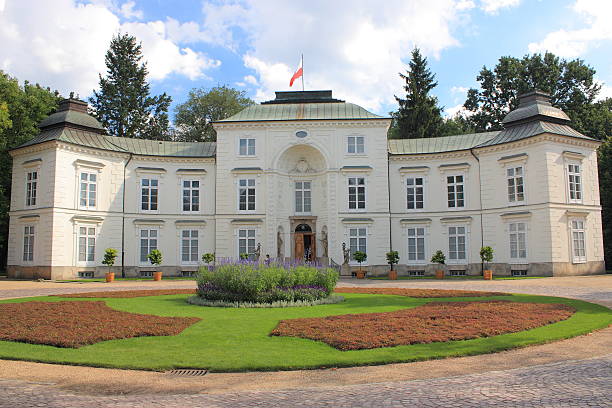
x,y
174,159
370,123
430,156
51,144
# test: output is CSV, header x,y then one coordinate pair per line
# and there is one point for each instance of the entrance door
x,y
299,246
305,243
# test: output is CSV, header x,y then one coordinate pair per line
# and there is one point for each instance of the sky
x,y
354,47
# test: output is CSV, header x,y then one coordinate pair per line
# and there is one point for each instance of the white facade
x,y
302,185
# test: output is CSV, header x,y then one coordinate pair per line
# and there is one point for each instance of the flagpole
x,y
302,72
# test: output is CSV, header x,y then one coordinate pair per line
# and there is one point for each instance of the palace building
x,y
298,176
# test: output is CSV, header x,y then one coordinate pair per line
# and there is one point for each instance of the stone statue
x,y
279,245
324,243
347,254
258,252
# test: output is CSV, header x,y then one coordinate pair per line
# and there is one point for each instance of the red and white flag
x,y
298,73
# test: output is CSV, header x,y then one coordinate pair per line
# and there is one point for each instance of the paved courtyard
x,y
571,373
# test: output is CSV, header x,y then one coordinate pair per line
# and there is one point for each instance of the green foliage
x,y
155,257
486,254
605,191
418,115
438,257
208,258
193,119
22,107
110,255
260,283
360,256
457,125
570,84
330,300
244,256
392,258
124,104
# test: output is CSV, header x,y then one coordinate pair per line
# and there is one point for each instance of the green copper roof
x,y
141,147
71,117
301,111
438,144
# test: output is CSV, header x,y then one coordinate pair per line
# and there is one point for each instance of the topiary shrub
x,y
265,283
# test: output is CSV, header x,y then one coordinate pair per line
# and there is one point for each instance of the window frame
x,y
518,259
141,187
355,145
358,237
356,194
454,184
191,189
89,183
88,236
247,238
182,239
415,187
416,237
28,187
29,233
247,187
157,230
303,200
515,185
458,261
247,147
578,259
569,183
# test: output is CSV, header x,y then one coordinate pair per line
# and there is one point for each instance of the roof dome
x,y
535,105
72,113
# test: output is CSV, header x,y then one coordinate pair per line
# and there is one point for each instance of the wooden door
x,y
299,246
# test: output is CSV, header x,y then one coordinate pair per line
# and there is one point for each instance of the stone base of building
x,y
72,272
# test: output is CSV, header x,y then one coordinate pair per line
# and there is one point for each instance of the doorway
x,y
305,243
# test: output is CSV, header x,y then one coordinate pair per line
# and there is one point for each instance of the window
x,y
575,182
357,240
246,241
247,147
356,193
458,272
416,273
189,246
246,195
356,145
86,274
414,193
416,244
87,244
578,241
87,197
518,240
191,195
456,198
28,243
148,242
518,272
31,186
146,274
516,192
457,244
303,197
149,193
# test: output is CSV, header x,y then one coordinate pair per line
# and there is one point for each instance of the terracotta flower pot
x,y
110,276
392,275
361,274
157,276
439,274
488,274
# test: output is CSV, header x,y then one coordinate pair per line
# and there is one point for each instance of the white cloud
x,y
606,90
455,110
357,48
493,6
127,10
61,44
573,43
250,79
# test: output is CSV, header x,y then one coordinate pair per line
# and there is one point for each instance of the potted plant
x,y
439,258
110,255
244,256
208,258
360,257
155,257
392,259
486,255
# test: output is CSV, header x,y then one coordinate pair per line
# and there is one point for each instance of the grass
x,y
469,277
238,339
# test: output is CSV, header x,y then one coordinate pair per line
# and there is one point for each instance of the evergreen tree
x,y
193,119
123,103
418,115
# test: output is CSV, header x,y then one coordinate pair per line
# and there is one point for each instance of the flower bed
x,y
330,300
76,324
129,293
250,282
432,322
420,293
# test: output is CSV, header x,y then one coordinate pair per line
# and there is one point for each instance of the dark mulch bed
x,y
419,293
129,293
75,324
432,322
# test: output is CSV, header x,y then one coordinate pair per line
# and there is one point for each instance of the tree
x,y
123,104
418,115
21,109
570,84
193,119
605,193
456,125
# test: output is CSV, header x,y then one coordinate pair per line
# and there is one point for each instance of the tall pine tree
x,y
418,115
123,103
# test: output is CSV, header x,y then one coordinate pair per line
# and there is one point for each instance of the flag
x,y
298,73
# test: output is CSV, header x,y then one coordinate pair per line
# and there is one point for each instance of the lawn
x,y
238,339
